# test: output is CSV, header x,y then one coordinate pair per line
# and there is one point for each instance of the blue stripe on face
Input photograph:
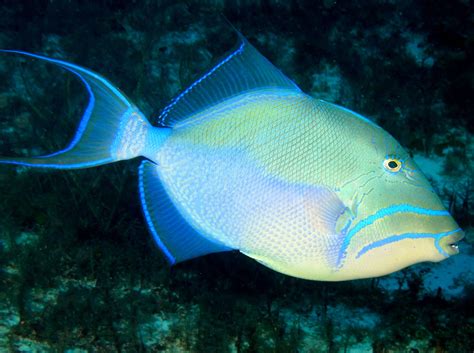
x,y
399,237
385,212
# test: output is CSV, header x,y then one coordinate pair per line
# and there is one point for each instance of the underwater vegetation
x,y
79,271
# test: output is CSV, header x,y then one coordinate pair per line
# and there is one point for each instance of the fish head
x,y
394,218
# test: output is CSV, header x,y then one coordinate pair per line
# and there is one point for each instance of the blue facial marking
x,y
385,212
395,238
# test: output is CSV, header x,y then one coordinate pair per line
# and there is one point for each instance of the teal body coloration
x,y
244,160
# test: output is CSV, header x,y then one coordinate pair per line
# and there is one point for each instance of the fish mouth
x,y
449,243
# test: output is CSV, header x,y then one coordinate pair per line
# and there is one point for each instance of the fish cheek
x,y
392,257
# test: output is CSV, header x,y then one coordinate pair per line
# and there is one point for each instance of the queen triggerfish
x,y
244,160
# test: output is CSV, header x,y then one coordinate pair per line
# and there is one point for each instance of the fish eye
x,y
392,164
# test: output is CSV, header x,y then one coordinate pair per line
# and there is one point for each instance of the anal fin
x,y
178,240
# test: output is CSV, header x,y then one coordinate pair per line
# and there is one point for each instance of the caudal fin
x,y
111,128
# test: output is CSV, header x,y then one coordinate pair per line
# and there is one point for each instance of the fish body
x,y
274,174
246,161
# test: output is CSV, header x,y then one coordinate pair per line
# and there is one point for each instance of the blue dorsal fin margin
x,y
176,100
243,69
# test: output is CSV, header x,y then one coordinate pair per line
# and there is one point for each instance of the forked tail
x,y
111,129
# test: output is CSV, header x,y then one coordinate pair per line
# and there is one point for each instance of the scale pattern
x,y
259,175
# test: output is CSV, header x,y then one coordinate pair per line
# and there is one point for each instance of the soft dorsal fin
x,y
243,69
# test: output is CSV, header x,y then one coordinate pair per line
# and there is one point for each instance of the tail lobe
x,y
111,128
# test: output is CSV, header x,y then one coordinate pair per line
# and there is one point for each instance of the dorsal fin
x,y
243,69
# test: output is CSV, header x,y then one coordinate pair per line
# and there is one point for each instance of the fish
x,y
244,160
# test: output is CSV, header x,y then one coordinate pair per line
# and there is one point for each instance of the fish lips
x,y
449,243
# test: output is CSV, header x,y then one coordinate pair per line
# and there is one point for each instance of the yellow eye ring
x,y
392,164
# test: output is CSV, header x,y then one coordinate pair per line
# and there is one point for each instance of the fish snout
x,y
449,242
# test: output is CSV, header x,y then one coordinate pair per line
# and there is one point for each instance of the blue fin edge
x,y
170,258
75,69
175,101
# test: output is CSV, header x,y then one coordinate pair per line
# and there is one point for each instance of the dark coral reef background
x,y
79,272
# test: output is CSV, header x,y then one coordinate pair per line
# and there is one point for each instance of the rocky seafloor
x,y
79,272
